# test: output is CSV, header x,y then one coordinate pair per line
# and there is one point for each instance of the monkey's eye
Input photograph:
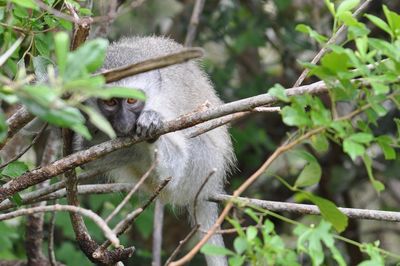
x,y
110,102
131,100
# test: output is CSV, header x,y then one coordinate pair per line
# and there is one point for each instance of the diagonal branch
x,y
151,64
332,40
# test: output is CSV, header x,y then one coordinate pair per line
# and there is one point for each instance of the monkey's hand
x,y
148,123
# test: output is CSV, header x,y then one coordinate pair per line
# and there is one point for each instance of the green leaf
x,y
119,92
393,20
99,121
385,143
335,62
237,260
353,149
378,186
346,5
61,40
15,169
330,6
348,19
295,115
240,245
237,226
209,249
380,88
17,199
87,58
376,258
329,211
3,126
380,24
81,130
251,233
312,33
310,175
362,46
26,3
279,92
361,137
320,143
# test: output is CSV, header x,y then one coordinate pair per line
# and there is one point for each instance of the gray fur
x,y
171,92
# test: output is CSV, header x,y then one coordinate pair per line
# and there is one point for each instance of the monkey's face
x,y
122,114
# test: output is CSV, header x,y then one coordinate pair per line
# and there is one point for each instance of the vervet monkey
x,y
170,92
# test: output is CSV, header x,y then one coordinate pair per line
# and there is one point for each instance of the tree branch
x,y
109,234
194,22
151,64
276,206
333,39
17,121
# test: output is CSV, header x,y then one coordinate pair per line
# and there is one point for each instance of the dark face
x,y
122,114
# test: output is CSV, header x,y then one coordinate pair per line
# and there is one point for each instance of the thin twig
x,y
151,64
50,240
109,234
19,155
333,39
182,243
124,224
38,195
211,124
134,189
4,57
194,22
157,233
57,13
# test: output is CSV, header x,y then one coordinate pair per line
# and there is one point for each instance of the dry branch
x,y
17,121
124,224
151,64
297,208
194,22
110,235
38,195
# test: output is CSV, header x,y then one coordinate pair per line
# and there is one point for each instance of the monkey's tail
x,y
206,215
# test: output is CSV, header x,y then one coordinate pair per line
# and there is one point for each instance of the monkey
x,y
170,92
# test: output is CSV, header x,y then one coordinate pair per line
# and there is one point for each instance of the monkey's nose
x,y
124,129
